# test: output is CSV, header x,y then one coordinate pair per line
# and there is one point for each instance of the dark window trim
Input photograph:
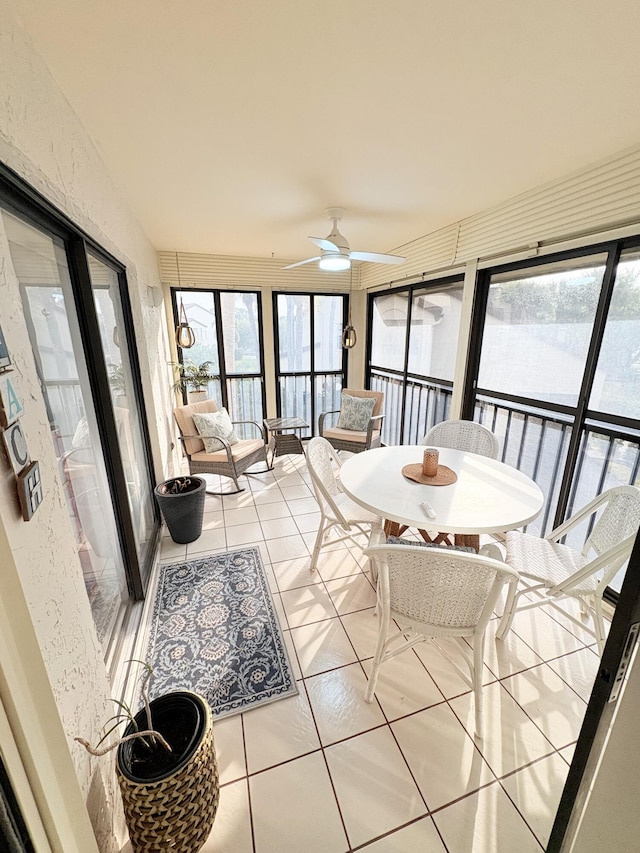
x,y
439,284
223,375
311,373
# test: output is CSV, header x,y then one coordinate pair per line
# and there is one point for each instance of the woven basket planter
x,y
183,511
171,808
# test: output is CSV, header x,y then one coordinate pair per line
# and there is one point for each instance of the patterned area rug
x,y
215,631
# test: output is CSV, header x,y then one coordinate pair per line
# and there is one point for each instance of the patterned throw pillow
x,y
355,412
216,424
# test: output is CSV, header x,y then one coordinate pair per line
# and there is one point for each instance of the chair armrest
x,y
260,427
225,444
321,418
375,422
587,510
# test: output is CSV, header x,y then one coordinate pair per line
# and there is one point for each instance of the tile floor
x,y
323,772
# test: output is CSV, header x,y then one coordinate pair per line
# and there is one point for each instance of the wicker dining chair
x,y
354,441
553,572
232,461
463,435
338,512
436,593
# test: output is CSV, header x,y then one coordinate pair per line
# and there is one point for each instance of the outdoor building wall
x,y
42,140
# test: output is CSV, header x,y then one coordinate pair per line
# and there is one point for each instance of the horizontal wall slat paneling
x,y
603,196
196,270
431,252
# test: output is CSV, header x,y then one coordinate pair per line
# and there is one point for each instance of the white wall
x,y
42,140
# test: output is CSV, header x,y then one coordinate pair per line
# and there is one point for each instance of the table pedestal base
x,y
467,540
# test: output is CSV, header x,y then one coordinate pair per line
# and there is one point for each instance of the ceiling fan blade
x,y
324,243
300,263
377,258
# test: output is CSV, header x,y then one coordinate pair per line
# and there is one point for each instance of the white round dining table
x,y
487,497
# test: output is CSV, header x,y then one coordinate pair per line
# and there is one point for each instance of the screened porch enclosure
x,y
553,370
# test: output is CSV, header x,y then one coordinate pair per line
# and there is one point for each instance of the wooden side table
x,y
281,442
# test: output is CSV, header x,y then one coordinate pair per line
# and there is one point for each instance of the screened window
x,y
311,363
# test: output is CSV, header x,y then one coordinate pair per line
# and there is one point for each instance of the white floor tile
x,y
340,563
209,540
307,604
485,822
277,509
444,673
287,548
543,634
231,831
578,670
419,837
508,656
275,528
337,699
279,731
243,533
242,515
322,646
511,739
404,686
351,593
291,574
536,790
294,809
543,695
362,628
296,493
229,743
373,785
442,757
303,506
308,523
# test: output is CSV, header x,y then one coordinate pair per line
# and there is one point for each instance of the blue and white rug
x,y
215,631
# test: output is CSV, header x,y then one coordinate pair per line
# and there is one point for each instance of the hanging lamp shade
x,y
185,336
349,336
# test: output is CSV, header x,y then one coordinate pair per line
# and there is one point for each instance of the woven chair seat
x,y
547,562
560,572
354,513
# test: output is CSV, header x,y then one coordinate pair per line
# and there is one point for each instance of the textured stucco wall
x,y
42,140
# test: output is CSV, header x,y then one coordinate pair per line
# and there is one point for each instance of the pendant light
x,y
349,333
185,336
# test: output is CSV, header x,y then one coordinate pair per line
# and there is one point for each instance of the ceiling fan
x,y
335,253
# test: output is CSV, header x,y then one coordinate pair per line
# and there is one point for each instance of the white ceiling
x,y
230,125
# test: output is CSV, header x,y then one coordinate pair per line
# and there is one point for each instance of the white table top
x,y
487,497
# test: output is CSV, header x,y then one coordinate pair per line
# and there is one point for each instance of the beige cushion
x,y
213,426
238,451
348,434
184,419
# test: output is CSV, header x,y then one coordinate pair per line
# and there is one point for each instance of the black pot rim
x,y
201,485
187,699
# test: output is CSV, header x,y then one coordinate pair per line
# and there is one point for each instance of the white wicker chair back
x,y
463,435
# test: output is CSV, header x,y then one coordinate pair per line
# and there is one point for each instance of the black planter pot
x,y
183,511
170,799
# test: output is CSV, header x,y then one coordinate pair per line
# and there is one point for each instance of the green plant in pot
x,y
181,502
166,768
192,378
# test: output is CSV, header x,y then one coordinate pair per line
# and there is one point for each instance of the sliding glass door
x,y
76,413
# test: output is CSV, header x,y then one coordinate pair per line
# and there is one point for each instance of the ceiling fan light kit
x,y
335,252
